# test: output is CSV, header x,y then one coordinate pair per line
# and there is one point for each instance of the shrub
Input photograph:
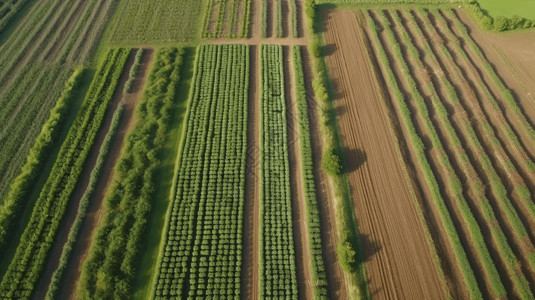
x,y
347,256
331,162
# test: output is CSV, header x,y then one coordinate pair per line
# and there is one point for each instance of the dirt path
x,y
302,261
82,245
251,216
398,256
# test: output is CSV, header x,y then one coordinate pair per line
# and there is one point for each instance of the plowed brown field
x,y
397,252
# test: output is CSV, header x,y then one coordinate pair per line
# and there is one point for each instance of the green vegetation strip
x,y
111,264
31,254
133,71
319,277
277,255
10,208
59,273
201,256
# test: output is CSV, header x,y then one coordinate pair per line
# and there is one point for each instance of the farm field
x,y
522,8
266,149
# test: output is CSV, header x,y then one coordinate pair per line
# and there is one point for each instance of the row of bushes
x,y
499,23
133,71
58,275
275,232
307,165
36,241
109,270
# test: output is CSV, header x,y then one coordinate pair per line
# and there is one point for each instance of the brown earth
x,y
251,208
397,252
94,211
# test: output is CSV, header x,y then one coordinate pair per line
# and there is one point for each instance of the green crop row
x,y
420,148
216,19
317,264
35,243
202,252
10,208
111,265
66,253
483,203
133,72
277,255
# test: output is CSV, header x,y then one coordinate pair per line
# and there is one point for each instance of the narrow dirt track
x,y
82,245
398,256
251,216
302,261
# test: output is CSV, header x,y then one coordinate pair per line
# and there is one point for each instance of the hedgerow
x,y
31,254
317,264
10,208
111,263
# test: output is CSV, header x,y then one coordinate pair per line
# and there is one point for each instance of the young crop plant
x,y
201,257
277,255
312,213
133,72
31,254
111,265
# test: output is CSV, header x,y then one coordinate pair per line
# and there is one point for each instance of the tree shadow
x,y
354,159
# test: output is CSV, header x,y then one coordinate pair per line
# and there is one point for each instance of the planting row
x,y
203,235
458,150
277,256
307,168
228,19
111,265
35,243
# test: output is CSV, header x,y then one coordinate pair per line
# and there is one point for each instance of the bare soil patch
x,y
398,255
